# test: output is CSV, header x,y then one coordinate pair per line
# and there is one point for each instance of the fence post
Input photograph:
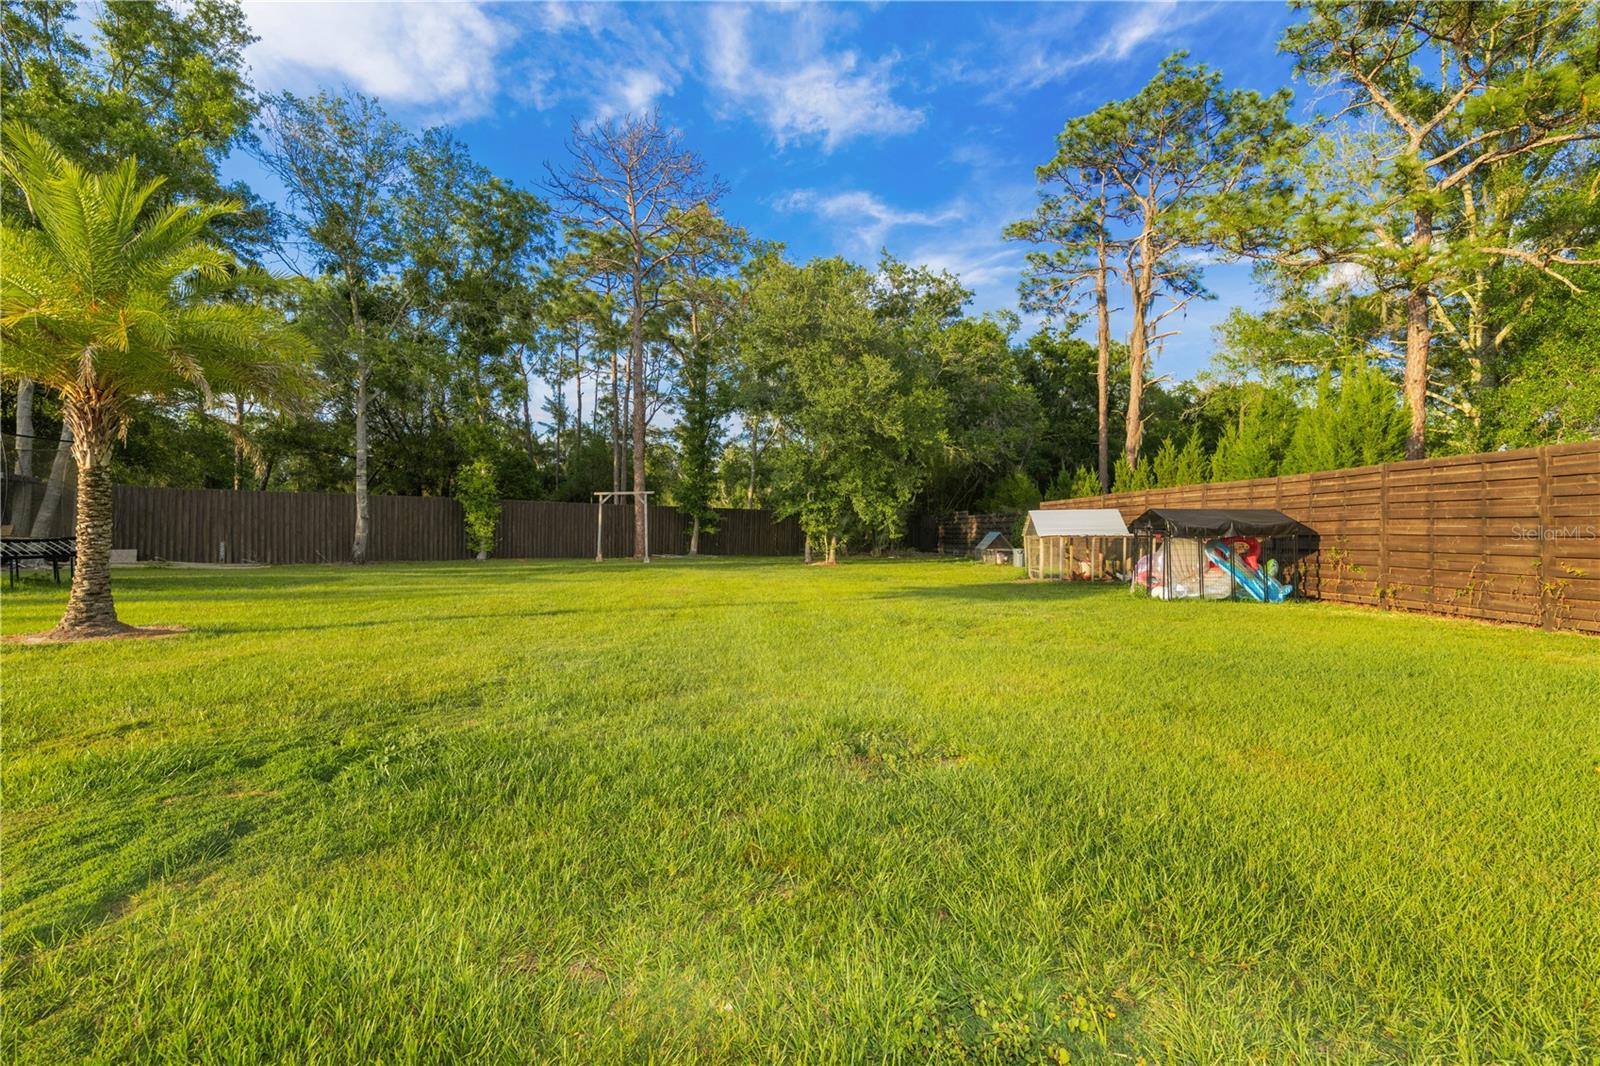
x,y
1547,544
1383,527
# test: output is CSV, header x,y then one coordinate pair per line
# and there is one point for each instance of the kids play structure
x,y
1081,544
1207,553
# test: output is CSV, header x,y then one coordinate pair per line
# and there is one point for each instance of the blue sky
x,y
839,129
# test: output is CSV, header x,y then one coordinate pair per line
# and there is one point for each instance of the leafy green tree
x,y
1254,443
165,83
1467,102
1061,370
1085,482
1014,492
860,406
1356,421
341,161
1077,227
471,249
1128,478
479,497
704,295
1548,389
992,417
573,326
104,302
1174,466
633,186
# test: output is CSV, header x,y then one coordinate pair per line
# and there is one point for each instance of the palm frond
x,y
115,297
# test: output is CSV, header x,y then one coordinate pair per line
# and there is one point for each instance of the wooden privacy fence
x,y
1508,536
218,525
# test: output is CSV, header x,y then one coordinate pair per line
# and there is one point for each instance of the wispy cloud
x,y
962,237
972,247
788,80
1058,42
862,219
443,58
604,59
634,93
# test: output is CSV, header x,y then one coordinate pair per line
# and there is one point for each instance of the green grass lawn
x,y
750,811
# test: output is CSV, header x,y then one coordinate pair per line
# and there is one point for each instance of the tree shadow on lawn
x,y
230,629
293,579
1007,592
105,871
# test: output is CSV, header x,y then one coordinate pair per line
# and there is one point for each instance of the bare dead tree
x,y
632,185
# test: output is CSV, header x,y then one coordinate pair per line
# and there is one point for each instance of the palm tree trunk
x,y
90,611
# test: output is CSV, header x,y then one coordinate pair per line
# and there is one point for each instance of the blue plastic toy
x,y
1259,585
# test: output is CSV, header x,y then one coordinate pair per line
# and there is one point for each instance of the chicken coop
x,y
1089,544
994,548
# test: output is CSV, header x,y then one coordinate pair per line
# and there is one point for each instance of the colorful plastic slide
x,y
1255,583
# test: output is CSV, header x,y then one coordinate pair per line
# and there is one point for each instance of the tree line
x,y
406,321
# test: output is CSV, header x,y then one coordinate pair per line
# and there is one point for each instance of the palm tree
x,y
109,300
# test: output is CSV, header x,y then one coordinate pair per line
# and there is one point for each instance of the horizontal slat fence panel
x,y
1507,536
218,525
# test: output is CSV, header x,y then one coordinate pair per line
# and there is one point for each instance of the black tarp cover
x,y
1216,522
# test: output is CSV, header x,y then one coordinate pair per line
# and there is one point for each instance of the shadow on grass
x,y
1006,592
228,629
112,874
434,578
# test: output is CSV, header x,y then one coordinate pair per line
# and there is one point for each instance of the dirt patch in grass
x,y
586,969
874,753
130,633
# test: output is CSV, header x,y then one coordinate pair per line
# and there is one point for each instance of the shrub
x,y
479,497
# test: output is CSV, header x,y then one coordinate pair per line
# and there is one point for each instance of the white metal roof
x,y
1085,522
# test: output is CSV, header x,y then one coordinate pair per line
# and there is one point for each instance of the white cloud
x,y
441,57
963,237
603,56
794,86
1056,43
1345,276
865,219
973,249
636,93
